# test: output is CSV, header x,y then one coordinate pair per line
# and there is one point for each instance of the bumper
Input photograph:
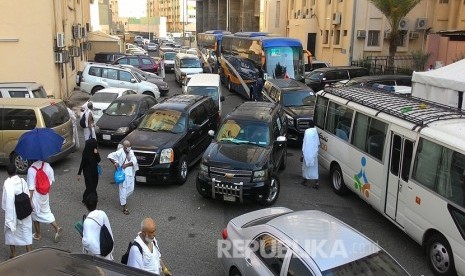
x,y
164,92
157,174
110,138
169,67
230,191
62,153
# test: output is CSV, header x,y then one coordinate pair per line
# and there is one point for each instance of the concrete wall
x,y
275,17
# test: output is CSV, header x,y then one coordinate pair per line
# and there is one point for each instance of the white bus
x,y
405,157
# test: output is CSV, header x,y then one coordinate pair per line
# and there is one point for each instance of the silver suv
x,y
22,90
96,76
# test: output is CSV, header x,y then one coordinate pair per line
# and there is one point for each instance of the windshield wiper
x,y
146,128
251,143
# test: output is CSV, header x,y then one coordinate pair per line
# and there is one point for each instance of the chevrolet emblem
x,y
229,175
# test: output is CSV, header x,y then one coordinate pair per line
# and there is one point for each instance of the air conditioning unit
x,y
403,25
74,51
77,31
387,34
86,46
361,33
421,23
336,18
60,40
59,57
414,35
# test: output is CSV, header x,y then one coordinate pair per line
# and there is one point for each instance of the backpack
x,y
22,205
42,181
106,240
125,257
82,122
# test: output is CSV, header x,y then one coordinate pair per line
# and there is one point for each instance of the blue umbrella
x,y
39,144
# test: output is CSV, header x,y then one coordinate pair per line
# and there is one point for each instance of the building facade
x,y
180,15
46,44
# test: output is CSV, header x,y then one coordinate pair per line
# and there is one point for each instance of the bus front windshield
x,y
284,62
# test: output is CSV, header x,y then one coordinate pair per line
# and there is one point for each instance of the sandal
x,y
126,211
35,237
58,234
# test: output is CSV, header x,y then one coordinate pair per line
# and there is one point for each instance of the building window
x,y
402,38
443,1
337,37
313,2
278,12
325,37
292,4
373,38
345,32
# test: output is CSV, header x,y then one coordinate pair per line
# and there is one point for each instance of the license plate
x,y
229,198
106,137
141,178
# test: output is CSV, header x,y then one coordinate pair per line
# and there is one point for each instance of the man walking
x,y
89,130
124,157
310,155
149,258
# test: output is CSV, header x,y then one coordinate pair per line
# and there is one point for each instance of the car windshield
x,y
103,97
315,76
164,120
244,132
170,56
120,108
376,264
299,98
190,63
210,91
55,115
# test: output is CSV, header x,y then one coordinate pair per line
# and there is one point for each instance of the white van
x,y
185,66
206,85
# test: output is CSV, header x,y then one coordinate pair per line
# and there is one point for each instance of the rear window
x,y
315,76
55,115
211,91
170,56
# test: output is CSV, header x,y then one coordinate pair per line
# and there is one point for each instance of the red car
x,y
143,62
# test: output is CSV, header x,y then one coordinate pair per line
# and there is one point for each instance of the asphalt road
x,y
189,225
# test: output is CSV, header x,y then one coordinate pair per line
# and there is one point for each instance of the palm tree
x,y
395,11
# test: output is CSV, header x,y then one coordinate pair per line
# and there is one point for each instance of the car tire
x,y
337,180
183,170
148,93
21,165
235,272
272,192
439,256
199,190
283,163
95,89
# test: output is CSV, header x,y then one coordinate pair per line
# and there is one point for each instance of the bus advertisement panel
x,y
405,157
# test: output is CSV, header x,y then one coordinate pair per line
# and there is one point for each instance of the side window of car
x,y
123,61
270,251
297,267
146,61
95,71
125,76
109,73
19,119
134,61
201,115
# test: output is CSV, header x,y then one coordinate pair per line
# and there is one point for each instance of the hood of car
x,y
236,157
305,111
114,122
152,140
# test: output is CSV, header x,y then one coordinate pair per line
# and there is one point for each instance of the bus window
x,y
407,159
339,120
369,135
320,112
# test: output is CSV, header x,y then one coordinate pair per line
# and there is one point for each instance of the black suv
x,y
172,136
108,57
244,158
320,78
298,102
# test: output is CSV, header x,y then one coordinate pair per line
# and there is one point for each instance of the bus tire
x,y
439,255
337,180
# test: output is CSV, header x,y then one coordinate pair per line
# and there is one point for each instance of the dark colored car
x,y
151,77
368,81
121,117
243,160
108,57
48,261
298,102
172,137
143,62
320,78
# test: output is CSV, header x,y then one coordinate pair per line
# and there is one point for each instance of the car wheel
x,y
21,164
234,272
183,170
199,189
95,89
272,193
337,180
148,93
283,163
439,255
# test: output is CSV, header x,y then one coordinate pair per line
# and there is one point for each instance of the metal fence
x,y
378,65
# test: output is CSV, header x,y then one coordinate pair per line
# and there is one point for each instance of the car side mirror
x,y
133,80
211,132
222,98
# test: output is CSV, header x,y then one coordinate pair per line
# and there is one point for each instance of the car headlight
x,y
290,120
203,169
122,130
259,175
166,156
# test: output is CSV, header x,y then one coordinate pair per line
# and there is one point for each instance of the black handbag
x,y
22,204
106,240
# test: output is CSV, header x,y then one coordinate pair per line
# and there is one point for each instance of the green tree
x,y
395,11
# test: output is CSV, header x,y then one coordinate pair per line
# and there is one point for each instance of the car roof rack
x,y
415,110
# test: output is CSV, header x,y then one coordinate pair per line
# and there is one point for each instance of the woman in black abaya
x,y
89,165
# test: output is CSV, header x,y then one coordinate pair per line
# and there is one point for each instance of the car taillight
x,y
224,233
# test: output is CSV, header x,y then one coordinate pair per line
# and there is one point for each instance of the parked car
x,y
185,66
18,116
97,76
172,137
280,241
150,77
167,55
121,117
316,64
130,47
107,57
151,46
298,102
103,98
206,85
143,62
392,80
243,160
320,78
22,90
57,262
131,52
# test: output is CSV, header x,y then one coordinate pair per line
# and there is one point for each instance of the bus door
x,y
400,160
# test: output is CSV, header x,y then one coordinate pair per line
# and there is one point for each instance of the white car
x,y
103,98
